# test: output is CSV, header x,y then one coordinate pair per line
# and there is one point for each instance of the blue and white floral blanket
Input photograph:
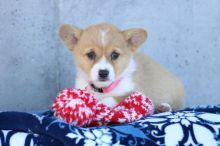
x,y
195,126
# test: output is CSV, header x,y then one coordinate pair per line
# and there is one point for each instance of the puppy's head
x,y
102,51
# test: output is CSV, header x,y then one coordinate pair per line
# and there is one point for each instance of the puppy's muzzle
x,y
103,75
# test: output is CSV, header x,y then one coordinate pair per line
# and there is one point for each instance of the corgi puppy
x,y
109,66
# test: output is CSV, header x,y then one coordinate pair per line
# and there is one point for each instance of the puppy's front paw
x,y
163,107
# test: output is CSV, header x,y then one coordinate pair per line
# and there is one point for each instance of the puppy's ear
x,y
70,35
135,37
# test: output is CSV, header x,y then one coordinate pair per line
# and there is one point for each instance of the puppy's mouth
x,y
104,87
101,83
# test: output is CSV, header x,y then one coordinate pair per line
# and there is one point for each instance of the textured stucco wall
x,y
28,54
184,36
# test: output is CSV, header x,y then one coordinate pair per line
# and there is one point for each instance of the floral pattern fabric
x,y
191,126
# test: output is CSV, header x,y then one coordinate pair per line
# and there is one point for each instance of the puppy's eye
x,y
91,55
114,55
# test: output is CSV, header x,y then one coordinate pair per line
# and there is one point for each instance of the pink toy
x,y
79,107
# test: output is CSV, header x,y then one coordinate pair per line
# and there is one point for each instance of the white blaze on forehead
x,y
103,33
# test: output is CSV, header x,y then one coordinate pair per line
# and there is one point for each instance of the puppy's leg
x,y
163,107
118,99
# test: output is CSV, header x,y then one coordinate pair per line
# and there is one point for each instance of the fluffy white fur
x,y
125,85
102,65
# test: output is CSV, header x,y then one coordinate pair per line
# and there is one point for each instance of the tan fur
x,y
157,82
149,77
87,42
120,98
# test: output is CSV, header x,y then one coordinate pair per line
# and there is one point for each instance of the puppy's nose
x,y
103,74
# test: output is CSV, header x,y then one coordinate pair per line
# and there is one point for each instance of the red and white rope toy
x,y
79,107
